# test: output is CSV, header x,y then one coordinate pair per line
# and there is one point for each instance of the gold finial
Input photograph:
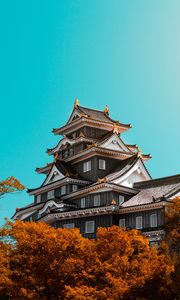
x,y
113,202
106,110
139,152
99,180
105,179
76,103
55,156
115,129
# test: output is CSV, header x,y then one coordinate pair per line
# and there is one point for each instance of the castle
x,y
96,180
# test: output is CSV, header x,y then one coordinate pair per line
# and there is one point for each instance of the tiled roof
x,y
151,194
96,114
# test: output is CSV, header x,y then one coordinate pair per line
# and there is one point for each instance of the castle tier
x,y
97,180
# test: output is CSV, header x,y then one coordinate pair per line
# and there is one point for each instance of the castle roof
x,y
155,190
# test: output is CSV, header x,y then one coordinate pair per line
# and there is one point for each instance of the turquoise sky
x,y
122,53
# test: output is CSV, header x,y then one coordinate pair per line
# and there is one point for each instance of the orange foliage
x,y
10,185
46,263
173,223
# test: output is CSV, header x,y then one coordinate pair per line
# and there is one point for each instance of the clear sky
x,y
122,53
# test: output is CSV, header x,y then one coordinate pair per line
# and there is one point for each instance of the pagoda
x,y
97,180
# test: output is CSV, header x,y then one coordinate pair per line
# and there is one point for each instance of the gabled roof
x,y
95,114
82,114
113,141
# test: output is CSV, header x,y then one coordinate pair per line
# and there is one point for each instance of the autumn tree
x,y
40,262
171,246
10,185
172,224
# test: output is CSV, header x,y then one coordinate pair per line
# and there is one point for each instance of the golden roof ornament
x,y
115,129
139,152
106,110
55,156
113,202
76,103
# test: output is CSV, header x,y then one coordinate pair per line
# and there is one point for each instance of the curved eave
x,y
44,170
75,141
99,186
82,121
146,157
56,184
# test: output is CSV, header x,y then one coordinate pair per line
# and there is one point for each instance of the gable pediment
x,y
137,173
51,205
115,143
74,116
54,175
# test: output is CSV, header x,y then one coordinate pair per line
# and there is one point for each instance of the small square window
x,y
102,164
97,200
153,220
68,226
87,166
139,222
89,226
50,195
74,187
122,223
83,202
38,198
63,190
120,200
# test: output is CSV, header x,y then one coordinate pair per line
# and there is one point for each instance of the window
x,y
154,243
102,164
71,151
50,195
63,190
87,166
122,223
153,220
89,227
66,154
139,222
69,225
74,187
83,204
38,198
96,200
120,200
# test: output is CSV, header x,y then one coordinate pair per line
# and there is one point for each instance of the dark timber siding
x,y
95,172
93,132
57,192
100,221
131,219
105,199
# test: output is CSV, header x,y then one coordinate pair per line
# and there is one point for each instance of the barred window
x,y
139,222
97,200
50,195
87,166
63,190
153,220
38,198
89,226
69,225
74,187
102,164
122,223
83,203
